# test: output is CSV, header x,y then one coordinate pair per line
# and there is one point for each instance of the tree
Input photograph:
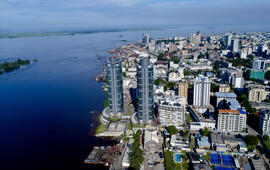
x,y
205,132
159,81
186,133
172,130
265,137
136,153
171,84
251,141
267,75
214,87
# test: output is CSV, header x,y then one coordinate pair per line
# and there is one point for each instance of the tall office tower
x,y
199,37
172,111
146,39
229,41
145,96
115,86
193,39
232,120
264,122
183,90
235,45
201,92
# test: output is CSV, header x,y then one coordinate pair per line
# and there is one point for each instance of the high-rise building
x,y
145,90
256,94
229,41
172,111
264,122
199,37
183,90
193,39
231,120
201,92
115,86
235,45
146,39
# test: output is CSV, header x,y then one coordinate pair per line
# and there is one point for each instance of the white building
x,y
264,122
231,120
201,92
237,81
243,54
172,111
235,46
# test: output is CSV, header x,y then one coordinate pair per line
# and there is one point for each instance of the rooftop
x,y
225,95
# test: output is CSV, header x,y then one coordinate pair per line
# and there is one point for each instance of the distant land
x,y
63,33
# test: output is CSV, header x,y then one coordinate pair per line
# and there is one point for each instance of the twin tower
x,y
144,93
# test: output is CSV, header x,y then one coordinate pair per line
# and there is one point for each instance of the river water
x,y
44,108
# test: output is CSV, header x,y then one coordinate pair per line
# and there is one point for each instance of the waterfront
x,y
45,108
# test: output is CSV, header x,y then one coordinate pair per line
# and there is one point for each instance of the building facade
x,y
231,120
115,86
183,90
264,122
256,94
235,45
224,88
145,89
172,111
201,92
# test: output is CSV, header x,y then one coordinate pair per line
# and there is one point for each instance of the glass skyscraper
x,y
145,90
115,86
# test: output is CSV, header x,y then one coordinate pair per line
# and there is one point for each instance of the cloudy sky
x,y
76,14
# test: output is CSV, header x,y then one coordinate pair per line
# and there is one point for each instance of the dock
x,y
103,155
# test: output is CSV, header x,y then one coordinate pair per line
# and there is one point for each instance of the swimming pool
x,y
177,157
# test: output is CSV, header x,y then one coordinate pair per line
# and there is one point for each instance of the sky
x,y
81,14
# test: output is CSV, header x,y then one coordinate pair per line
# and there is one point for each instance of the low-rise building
x,y
179,142
202,122
202,142
223,98
151,141
224,88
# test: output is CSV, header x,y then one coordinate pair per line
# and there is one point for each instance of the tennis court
x,y
215,159
227,160
223,168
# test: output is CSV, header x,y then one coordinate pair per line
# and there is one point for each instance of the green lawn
x,y
129,126
100,129
137,126
267,143
189,118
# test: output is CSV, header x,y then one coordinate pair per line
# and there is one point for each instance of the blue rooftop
x,y
242,111
234,104
225,95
